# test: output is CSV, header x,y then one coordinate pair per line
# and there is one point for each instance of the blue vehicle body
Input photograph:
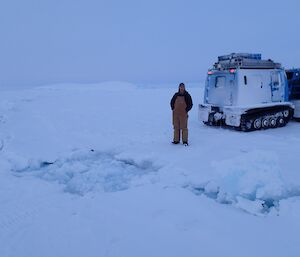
x,y
293,77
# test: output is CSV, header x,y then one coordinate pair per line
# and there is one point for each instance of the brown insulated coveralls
x,y
181,104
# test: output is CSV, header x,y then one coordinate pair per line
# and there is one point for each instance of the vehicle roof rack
x,y
244,61
239,55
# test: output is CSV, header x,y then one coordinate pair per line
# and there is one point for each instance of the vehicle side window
x,y
245,80
275,78
220,81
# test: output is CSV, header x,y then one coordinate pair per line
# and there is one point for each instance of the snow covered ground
x,y
89,170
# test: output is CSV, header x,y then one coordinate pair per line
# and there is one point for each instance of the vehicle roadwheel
x,y
281,122
286,113
257,123
273,122
265,122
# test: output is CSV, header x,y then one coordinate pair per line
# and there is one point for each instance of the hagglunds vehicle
x,y
245,92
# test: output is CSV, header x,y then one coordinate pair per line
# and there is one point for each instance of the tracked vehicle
x,y
247,93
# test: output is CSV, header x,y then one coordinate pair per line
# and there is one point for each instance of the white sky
x,y
50,41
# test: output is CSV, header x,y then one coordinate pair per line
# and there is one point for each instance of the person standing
x,y
181,104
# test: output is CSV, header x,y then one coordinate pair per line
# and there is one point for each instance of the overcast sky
x,y
53,41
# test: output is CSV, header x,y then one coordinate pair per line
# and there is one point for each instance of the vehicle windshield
x,y
289,75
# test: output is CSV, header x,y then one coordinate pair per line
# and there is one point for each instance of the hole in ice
x,y
85,171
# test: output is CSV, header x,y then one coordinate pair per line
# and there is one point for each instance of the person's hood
x,y
183,92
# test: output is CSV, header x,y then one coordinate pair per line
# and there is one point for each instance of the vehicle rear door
x,y
277,87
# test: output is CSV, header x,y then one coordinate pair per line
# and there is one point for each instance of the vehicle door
x,y
220,89
277,87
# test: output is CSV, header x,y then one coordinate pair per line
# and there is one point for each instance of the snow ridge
x,y
256,186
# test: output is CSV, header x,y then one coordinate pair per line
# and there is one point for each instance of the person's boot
x,y
176,137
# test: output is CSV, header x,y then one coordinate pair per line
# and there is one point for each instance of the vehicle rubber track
x,y
264,118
